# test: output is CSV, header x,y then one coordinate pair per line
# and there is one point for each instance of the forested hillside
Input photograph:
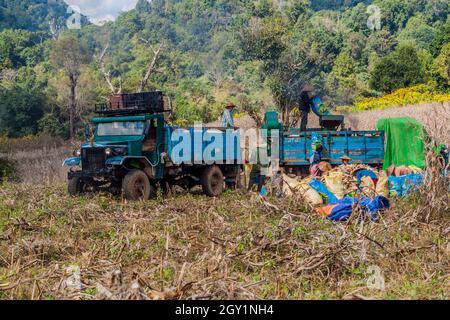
x,y
33,15
204,53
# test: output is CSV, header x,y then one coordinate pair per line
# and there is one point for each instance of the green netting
x,y
404,142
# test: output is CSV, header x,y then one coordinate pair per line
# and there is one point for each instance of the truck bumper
x,y
101,174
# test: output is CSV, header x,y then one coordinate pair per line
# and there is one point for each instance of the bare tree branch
x,y
55,29
107,73
151,66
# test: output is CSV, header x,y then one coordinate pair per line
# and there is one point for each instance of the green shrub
x,y
7,169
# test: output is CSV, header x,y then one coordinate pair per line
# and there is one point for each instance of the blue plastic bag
x,y
397,186
322,189
405,185
412,183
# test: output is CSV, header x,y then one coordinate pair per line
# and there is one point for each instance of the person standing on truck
x,y
305,104
227,116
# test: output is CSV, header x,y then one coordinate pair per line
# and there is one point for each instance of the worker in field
x,y
316,159
346,160
227,116
305,104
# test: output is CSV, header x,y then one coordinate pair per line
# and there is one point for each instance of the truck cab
x,y
120,147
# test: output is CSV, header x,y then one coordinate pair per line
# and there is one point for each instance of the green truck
x,y
132,150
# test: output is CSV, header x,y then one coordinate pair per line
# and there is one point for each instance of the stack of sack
x,y
342,190
353,187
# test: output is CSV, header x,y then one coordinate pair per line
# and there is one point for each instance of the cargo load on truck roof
x,y
133,103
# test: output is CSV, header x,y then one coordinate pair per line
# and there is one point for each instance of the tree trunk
x,y
73,85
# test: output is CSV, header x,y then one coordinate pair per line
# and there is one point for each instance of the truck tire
x,y
212,181
136,186
75,186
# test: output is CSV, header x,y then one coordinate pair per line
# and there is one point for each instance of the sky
x,y
101,10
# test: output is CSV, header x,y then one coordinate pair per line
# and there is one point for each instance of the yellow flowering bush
x,y
407,96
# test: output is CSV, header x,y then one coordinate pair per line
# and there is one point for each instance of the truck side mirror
x,y
147,128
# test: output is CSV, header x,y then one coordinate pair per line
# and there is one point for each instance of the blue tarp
x,y
344,208
365,173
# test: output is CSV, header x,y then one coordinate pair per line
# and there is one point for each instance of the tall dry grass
x,y
434,198
38,160
425,113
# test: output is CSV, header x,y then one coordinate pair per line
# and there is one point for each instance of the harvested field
x,y
193,247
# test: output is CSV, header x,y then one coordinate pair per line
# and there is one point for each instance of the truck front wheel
x,y
212,181
136,186
76,186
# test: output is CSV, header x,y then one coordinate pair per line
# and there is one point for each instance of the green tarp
x,y
404,142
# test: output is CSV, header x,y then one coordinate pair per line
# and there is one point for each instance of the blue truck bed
x,y
366,147
215,146
202,145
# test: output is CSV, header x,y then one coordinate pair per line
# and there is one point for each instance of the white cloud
x,y
102,10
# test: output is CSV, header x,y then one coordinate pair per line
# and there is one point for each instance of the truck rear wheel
x,y
136,186
76,186
212,181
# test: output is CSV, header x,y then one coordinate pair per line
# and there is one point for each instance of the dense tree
x,y
143,6
418,32
21,107
381,42
19,48
441,39
442,66
344,80
35,15
402,68
69,54
257,54
336,4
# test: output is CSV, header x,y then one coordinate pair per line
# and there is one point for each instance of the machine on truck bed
x,y
132,150
363,147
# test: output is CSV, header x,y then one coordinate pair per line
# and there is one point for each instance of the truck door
x,y
153,146
149,145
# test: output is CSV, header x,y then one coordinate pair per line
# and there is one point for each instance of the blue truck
x,y
131,150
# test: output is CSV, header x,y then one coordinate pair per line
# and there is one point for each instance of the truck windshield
x,y
129,128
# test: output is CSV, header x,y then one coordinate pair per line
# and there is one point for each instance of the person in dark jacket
x,y
305,104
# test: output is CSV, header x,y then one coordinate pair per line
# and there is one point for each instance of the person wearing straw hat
x,y
305,104
227,116
346,160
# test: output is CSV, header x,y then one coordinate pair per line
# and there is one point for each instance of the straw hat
x,y
230,105
308,88
346,158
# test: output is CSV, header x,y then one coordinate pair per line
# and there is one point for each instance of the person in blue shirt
x,y
227,116
315,160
